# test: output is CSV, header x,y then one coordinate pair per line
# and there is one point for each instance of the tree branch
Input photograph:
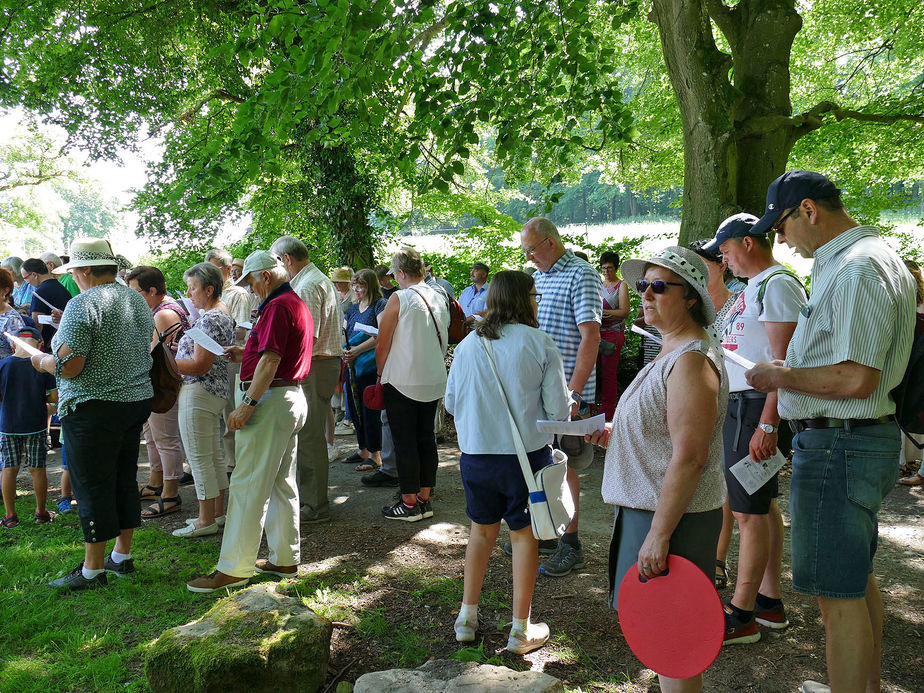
x,y
813,119
846,113
724,17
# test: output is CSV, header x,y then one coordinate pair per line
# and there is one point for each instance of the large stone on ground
x,y
450,676
254,641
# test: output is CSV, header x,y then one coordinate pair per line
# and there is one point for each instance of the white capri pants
x,y
200,412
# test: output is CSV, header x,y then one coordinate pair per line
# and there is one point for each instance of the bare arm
x,y
763,445
692,410
586,355
388,320
262,377
844,380
199,364
163,321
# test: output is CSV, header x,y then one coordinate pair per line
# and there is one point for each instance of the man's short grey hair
x,y
206,274
278,273
223,256
50,257
14,263
289,245
544,227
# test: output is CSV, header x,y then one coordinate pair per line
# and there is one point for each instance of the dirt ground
x,y
587,652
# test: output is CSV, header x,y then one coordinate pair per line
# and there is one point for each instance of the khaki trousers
x,y
313,464
165,448
263,492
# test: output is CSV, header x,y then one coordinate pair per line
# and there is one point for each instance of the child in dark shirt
x,y
24,393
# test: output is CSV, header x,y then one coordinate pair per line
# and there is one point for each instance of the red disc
x,y
673,623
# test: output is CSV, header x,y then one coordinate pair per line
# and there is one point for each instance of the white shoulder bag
x,y
551,505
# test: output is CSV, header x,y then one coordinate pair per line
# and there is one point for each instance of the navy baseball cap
x,y
30,333
789,190
736,226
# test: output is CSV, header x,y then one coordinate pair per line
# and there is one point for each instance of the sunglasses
x,y
779,225
658,286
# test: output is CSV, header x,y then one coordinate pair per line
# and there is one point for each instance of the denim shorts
x,y
839,478
495,488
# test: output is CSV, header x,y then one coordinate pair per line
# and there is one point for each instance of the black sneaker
x,y
546,547
379,479
426,508
186,479
126,567
399,511
74,581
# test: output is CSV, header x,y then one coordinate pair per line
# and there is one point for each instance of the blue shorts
x,y
839,478
23,450
495,488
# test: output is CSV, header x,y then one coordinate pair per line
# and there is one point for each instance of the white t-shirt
x,y
744,332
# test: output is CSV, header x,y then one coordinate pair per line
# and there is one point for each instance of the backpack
x,y
762,289
909,393
165,378
457,327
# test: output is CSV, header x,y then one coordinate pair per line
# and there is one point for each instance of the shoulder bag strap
x,y
432,317
517,439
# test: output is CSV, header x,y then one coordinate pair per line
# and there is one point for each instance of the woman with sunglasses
x,y
530,369
663,468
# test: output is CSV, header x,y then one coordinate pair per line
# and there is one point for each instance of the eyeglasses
x,y
658,286
538,297
529,251
782,220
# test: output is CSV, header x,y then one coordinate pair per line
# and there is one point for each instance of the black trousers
x,y
102,440
411,425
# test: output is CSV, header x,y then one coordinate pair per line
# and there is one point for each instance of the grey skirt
x,y
695,538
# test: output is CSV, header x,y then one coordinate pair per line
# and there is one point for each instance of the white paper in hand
x,y
48,320
25,346
246,325
740,360
206,342
580,427
638,330
367,329
752,475
45,302
191,309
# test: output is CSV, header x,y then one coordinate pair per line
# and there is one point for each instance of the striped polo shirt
x,y
572,293
861,309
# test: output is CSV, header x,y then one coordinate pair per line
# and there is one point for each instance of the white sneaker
x,y
220,520
191,530
814,687
343,429
536,636
465,631
331,453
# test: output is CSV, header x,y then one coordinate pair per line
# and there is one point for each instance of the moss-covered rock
x,y
252,641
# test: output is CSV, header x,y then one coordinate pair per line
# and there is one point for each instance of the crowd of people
x,y
254,418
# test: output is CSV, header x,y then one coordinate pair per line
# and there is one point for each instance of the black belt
x,y
276,383
800,425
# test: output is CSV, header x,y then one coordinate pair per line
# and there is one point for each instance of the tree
x,y
247,94
731,74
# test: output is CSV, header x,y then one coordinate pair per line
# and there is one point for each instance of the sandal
x,y
44,518
10,521
355,458
158,509
721,575
913,480
150,492
367,465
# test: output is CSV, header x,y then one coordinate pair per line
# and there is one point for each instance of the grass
x,y
95,640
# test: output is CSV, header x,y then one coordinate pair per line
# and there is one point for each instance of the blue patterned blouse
x,y
218,325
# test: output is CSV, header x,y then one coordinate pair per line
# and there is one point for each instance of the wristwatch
x,y
575,396
248,400
767,428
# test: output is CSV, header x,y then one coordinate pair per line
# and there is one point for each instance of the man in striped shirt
x,y
570,311
849,350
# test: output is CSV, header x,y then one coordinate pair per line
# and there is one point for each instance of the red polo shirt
x,y
286,328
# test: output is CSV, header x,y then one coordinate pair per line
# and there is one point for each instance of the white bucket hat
x,y
88,252
685,264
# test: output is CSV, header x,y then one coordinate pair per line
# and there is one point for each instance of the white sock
x,y
119,557
519,625
90,574
468,613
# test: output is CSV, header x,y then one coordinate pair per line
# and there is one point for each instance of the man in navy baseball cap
x,y
786,193
735,226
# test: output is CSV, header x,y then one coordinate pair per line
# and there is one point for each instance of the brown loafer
x,y
264,566
216,581
913,480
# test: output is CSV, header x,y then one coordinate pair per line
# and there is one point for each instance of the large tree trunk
x,y
734,144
